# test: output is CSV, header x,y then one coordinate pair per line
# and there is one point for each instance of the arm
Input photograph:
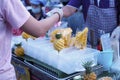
x,y
68,10
22,19
71,7
38,28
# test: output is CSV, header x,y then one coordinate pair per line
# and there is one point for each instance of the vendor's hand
x,y
56,10
116,33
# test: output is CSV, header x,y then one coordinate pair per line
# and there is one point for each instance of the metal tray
x,y
52,72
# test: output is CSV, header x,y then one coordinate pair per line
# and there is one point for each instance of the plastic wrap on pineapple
x,y
115,47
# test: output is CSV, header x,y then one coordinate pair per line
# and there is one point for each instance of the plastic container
x,y
106,59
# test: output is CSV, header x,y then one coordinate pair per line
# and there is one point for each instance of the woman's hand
x,y
56,10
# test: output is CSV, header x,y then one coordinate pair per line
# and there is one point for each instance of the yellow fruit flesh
x,y
64,41
26,36
53,38
19,51
59,44
81,39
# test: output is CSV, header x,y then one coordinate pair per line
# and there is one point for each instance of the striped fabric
x,y
100,21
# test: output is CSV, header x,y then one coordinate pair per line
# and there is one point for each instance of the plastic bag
x,y
115,47
116,66
106,42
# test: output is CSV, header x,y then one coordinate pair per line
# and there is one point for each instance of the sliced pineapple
x,y
81,39
66,35
61,38
26,36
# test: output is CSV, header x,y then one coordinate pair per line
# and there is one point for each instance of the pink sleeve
x,y
15,13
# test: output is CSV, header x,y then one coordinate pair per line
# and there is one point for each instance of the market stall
x,y
50,58
42,71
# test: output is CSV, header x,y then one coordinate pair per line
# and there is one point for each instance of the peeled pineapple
x,y
61,38
53,38
26,36
89,74
66,35
81,39
19,51
59,43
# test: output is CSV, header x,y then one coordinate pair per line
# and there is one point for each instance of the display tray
x,y
51,70
47,68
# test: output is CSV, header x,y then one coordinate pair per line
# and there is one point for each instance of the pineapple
x,y
66,35
59,43
89,75
53,35
81,39
19,51
26,36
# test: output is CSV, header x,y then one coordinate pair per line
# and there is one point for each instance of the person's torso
x,y
5,38
100,20
102,4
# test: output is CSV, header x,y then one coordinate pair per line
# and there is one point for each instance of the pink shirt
x,y
12,15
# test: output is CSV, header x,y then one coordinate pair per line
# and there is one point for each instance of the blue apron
x,y
100,21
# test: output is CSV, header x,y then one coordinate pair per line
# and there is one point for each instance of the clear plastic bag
x,y
106,42
115,47
116,66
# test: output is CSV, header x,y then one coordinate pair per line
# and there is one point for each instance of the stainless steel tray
x,y
48,71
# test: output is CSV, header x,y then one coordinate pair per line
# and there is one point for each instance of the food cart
x,y
40,67
43,71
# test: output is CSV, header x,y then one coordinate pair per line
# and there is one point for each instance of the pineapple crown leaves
x,y
19,44
58,35
88,66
